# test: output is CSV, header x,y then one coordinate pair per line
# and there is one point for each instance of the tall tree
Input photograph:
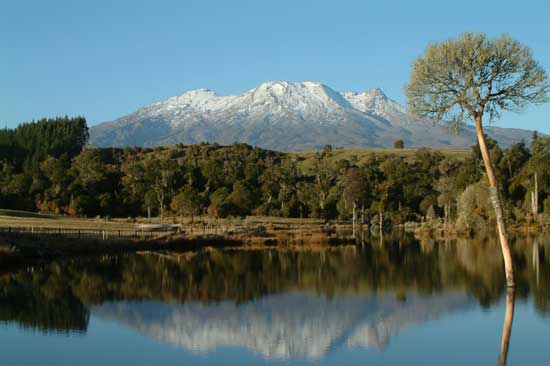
x,y
161,178
473,76
354,193
186,201
325,175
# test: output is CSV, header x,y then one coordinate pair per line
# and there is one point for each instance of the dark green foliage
x,y
27,150
187,201
243,198
242,180
30,143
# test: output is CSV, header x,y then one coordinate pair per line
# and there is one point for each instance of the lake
x,y
392,302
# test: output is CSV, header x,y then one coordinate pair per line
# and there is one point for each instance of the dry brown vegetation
x,y
251,233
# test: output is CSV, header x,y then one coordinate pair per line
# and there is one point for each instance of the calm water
x,y
396,303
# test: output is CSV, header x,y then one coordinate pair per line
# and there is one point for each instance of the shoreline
x,y
21,248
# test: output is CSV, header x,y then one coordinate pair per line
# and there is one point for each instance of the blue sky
x,y
104,59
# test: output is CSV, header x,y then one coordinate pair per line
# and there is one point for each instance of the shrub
x,y
474,207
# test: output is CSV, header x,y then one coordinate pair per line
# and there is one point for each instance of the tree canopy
x,y
474,74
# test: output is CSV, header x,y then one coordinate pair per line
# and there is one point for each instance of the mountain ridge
x,y
287,116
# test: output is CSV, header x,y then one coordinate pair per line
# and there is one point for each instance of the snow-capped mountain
x,y
285,116
375,102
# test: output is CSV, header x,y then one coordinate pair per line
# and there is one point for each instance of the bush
x,y
474,207
217,211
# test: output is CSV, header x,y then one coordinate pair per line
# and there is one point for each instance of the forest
x,y
46,166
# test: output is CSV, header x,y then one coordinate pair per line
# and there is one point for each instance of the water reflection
x,y
279,304
507,327
285,325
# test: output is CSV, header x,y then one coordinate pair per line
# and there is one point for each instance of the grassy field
x,y
362,154
18,248
30,219
13,218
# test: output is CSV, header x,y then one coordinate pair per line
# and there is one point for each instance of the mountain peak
x,y
273,87
282,87
378,93
200,91
372,93
298,99
375,102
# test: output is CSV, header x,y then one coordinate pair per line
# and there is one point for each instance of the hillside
x,y
306,158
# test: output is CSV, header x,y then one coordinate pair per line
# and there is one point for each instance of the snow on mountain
x,y
284,116
375,102
303,100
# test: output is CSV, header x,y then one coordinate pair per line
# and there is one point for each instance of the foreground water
x,y
399,302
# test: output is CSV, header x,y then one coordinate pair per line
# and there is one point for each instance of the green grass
x,y
25,214
28,219
16,218
362,154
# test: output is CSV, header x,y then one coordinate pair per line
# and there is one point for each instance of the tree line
x,y
45,167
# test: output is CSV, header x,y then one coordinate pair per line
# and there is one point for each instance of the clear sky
x,y
104,59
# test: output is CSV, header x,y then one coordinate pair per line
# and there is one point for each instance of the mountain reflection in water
x,y
279,304
282,326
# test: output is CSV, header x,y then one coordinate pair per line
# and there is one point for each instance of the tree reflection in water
x,y
507,328
59,296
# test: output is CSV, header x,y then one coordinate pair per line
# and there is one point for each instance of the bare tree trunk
x,y
381,222
536,259
536,212
507,327
533,207
495,200
149,213
446,209
354,218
